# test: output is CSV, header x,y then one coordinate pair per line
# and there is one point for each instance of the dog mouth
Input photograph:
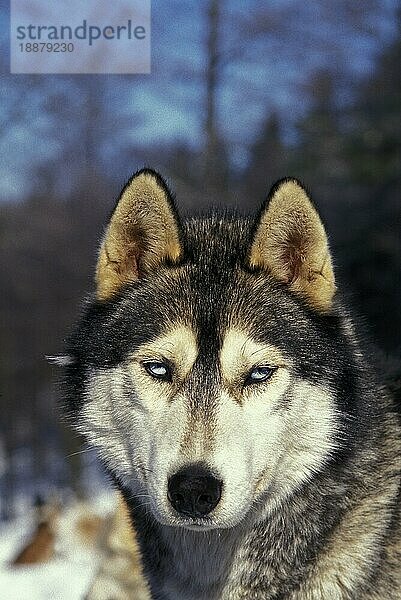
x,y
165,515
173,519
197,525
200,529
170,518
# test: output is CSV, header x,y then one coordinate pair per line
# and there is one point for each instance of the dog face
x,y
207,372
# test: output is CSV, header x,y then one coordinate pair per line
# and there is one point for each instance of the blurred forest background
x,y
239,95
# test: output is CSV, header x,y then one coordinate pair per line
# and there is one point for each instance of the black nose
x,y
194,491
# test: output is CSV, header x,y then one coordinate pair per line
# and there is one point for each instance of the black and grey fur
x,y
308,460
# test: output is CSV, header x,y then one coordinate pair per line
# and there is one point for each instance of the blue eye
x,y
259,374
158,370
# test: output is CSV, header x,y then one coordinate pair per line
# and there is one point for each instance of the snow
x,y
56,580
68,575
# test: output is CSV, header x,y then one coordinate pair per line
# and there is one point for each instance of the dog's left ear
x,y
143,233
290,243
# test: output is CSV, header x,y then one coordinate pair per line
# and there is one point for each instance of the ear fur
x,y
290,242
142,233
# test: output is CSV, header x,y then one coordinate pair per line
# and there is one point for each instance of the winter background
x,y
239,96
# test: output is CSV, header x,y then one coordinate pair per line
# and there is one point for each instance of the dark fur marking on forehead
x,y
217,239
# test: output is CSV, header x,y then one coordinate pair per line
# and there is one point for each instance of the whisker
x,y
78,452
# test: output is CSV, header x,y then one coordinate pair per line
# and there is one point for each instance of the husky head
x,y
210,369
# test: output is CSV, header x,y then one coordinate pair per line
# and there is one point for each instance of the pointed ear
x,y
290,242
143,232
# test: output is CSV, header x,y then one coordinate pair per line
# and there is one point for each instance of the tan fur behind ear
x,y
291,243
143,231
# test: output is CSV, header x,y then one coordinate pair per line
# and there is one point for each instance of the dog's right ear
x,y
143,232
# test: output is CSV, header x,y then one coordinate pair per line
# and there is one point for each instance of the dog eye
x,y
158,370
259,375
